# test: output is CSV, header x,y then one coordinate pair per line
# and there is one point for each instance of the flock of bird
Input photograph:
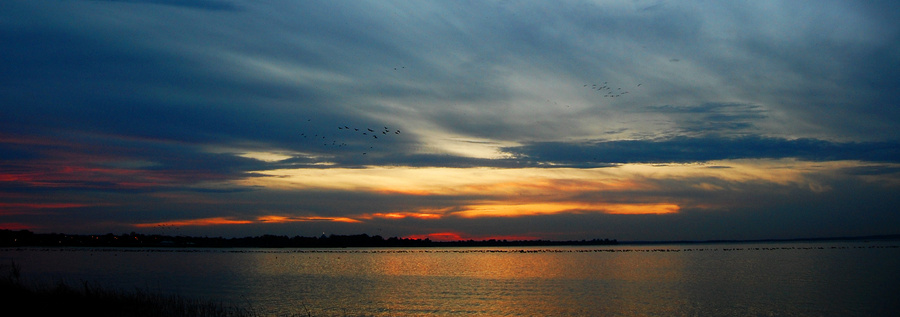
x,y
372,135
605,88
367,133
608,90
168,229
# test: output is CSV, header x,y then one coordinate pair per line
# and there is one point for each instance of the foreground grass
x,y
89,300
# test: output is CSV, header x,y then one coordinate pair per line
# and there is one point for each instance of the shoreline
x,y
24,238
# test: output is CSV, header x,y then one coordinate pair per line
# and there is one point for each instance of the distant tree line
x,y
22,238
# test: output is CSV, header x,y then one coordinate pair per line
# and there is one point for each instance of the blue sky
x,y
473,119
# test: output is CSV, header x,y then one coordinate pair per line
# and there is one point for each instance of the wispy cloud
x,y
702,149
193,4
148,111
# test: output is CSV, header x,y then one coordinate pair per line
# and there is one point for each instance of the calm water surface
x,y
773,279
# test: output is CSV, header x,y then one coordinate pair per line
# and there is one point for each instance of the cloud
x,y
113,163
192,4
226,110
712,118
702,149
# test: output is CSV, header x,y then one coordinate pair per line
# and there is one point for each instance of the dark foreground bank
x,y
89,300
25,238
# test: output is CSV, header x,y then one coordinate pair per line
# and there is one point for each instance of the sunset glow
x,y
445,119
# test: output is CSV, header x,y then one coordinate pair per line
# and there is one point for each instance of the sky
x,y
448,120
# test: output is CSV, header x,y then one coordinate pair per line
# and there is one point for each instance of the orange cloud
x,y
195,222
227,221
641,209
402,215
286,219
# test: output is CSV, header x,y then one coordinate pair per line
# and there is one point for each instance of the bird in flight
x,y
336,142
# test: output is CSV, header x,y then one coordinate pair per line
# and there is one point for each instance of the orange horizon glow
x,y
629,189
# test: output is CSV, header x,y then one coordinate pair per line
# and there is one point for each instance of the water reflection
x,y
767,279
476,283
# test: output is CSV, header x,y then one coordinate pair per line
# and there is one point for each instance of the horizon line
x,y
795,239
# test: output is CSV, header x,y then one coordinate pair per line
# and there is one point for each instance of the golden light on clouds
x,y
437,140
640,209
780,172
266,156
518,181
252,151
445,181
502,209
515,192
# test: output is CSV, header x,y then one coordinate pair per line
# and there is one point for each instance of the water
x,y
774,279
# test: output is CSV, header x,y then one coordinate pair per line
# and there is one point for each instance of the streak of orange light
x,y
228,221
402,215
642,209
502,209
286,219
195,222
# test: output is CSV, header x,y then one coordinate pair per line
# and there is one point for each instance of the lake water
x,y
770,279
